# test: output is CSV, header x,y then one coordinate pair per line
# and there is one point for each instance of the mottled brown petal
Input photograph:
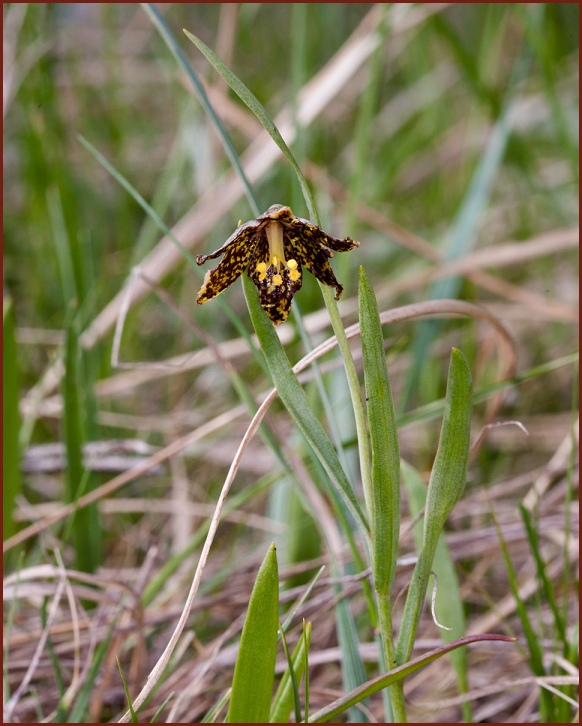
x,y
245,231
237,253
260,253
274,299
315,257
259,243
302,227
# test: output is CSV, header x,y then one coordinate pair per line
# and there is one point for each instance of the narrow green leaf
x,y
284,697
544,580
186,66
294,686
11,477
74,438
533,641
161,707
447,481
62,245
79,710
296,402
353,671
213,713
385,497
449,605
306,667
254,672
134,718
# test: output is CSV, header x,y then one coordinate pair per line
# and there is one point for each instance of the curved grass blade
x,y
185,65
134,718
447,481
254,672
396,676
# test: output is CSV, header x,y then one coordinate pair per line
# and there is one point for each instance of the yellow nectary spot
x,y
277,280
292,264
294,275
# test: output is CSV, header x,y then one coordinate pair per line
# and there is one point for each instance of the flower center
x,y
277,259
275,239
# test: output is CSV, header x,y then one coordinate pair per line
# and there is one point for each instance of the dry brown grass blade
x,y
508,360
61,588
502,688
558,462
117,482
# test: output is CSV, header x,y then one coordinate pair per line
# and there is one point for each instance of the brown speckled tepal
x,y
274,246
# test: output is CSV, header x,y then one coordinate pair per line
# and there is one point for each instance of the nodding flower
x,y
273,248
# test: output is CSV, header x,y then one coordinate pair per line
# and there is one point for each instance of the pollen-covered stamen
x,y
261,268
294,273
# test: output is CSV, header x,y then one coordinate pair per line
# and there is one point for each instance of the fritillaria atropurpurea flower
x,y
274,248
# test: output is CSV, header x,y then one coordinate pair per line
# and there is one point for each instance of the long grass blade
x,y
11,476
447,481
253,103
533,641
86,528
186,66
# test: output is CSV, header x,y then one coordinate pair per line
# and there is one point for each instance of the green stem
x,y
385,626
354,386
